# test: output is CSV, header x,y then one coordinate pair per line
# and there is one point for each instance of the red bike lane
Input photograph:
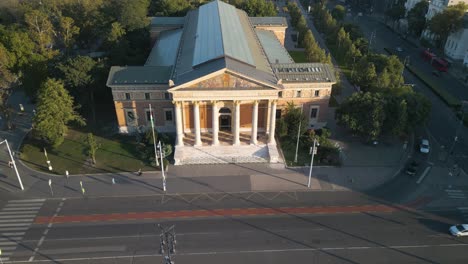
x,y
231,212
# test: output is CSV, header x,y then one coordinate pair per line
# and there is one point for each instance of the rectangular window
x,y
317,93
147,96
313,112
127,96
278,113
280,94
168,116
148,115
167,96
298,93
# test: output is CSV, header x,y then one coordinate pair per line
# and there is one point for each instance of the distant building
x,y
218,77
456,46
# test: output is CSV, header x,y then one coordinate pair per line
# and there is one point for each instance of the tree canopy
x,y
54,111
417,17
448,21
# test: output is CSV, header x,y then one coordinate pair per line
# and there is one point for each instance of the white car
x,y
399,49
424,146
459,230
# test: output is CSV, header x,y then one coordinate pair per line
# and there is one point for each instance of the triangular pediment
x,y
223,80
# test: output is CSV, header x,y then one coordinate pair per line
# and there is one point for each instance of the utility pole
x,y
162,165
298,134
154,137
314,151
372,37
14,164
168,243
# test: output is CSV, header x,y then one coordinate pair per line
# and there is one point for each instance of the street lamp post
x,y
314,151
154,136
162,165
14,163
298,134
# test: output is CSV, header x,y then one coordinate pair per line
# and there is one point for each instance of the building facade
x,y
456,46
218,77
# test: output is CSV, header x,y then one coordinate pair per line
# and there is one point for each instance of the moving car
x,y
424,146
459,230
399,49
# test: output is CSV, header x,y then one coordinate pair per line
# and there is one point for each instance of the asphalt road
x,y
402,236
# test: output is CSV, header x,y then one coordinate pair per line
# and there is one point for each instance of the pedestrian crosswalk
x,y
15,219
464,213
455,194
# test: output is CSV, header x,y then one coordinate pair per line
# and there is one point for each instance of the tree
x,y
397,11
91,147
419,108
115,34
313,52
6,76
78,77
68,31
339,12
131,14
396,113
54,111
417,19
170,7
448,21
258,8
365,77
41,31
293,117
363,113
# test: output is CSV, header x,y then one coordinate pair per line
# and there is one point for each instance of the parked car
x,y
424,146
399,49
411,168
459,230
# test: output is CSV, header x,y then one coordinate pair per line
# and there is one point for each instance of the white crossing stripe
x,y
16,220
18,224
25,201
7,243
21,209
19,212
463,208
18,228
9,238
5,258
7,248
17,216
23,204
448,190
13,234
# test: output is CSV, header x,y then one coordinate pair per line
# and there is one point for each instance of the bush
x,y
281,127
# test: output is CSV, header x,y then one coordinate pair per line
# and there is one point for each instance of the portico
x,y
226,117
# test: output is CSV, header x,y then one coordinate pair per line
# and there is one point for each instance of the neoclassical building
x,y
219,79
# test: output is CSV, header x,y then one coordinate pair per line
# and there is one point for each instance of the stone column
x,y
178,119
215,123
267,125
271,137
236,140
196,118
253,139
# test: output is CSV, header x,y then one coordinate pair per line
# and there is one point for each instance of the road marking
x,y
18,205
113,256
6,243
17,216
21,208
449,190
16,220
13,234
19,213
26,200
11,225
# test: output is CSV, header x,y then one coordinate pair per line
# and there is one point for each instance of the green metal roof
x,y
268,21
219,34
275,52
166,21
164,52
138,75
304,72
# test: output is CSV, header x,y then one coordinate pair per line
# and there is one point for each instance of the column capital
x,y
196,102
237,102
214,102
274,101
256,102
177,103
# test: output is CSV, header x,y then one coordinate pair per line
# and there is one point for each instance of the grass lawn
x,y
298,56
325,156
118,153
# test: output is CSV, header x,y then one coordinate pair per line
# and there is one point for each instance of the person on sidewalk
x,y
139,172
10,164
